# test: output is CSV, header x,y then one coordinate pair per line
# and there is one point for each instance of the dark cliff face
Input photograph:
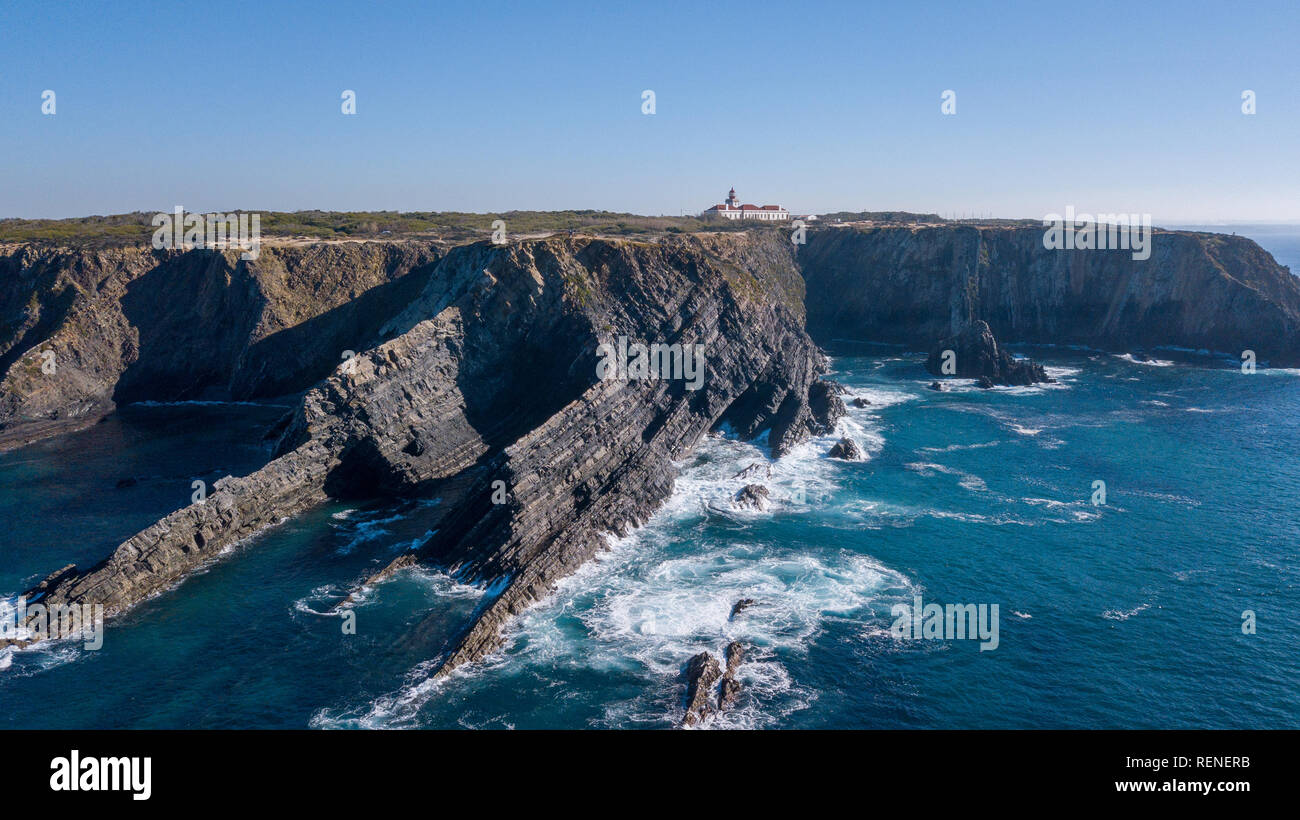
x,y
975,354
914,286
131,325
490,375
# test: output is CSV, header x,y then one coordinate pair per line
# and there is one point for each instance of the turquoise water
x,y
1126,614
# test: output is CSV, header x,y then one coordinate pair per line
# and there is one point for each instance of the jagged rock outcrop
x,y
912,286
84,330
751,496
703,676
975,355
490,374
729,686
702,673
847,449
755,470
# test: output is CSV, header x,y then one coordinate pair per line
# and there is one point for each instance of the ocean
x,y
1122,614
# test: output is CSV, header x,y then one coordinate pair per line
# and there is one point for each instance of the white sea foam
x,y
1047,502
964,480
646,607
362,530
1031,389
397,710
325,597
1129,357
1077,511
1125,614
1061,372
971,386
952,448
435,584
38,657
879,397
657,609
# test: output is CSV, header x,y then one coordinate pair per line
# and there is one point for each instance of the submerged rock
x,y
755,469
859,401
936,386
984,383
740,606
847,449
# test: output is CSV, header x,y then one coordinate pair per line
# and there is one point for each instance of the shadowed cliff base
x,y
916,286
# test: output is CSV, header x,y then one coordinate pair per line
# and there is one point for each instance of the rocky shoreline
x,y
471,372
487,380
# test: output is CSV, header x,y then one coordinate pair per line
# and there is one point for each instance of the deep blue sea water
x,y
1126,614
1122,615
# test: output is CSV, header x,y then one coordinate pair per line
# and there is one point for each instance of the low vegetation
x,y
451,226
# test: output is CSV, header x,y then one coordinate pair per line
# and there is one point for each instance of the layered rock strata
x,y
82,331
914,286
488,380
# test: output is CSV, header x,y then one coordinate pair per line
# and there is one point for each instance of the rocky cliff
x,y
478,369
83,331
915,286
487,380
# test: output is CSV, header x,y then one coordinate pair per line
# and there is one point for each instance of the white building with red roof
x,y
732,209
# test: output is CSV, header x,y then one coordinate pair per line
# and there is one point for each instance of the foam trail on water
x,y
666,591
25,661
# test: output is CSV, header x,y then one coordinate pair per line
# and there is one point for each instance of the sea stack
x,y
976,355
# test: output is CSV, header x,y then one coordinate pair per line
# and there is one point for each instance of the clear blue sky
x,y
484,106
